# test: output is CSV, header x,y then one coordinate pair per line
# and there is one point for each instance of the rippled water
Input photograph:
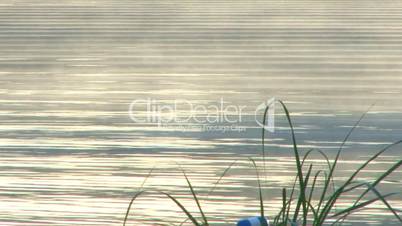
x,y
69,70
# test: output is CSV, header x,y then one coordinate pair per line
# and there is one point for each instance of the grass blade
x,y
135,196
313,188
221,177
189,215
283,204
378,194
216,183
296,154
259,188
299,202
130,205
298,163
339,191
196,199
361,205
336,161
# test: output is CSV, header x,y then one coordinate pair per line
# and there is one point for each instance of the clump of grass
x,y
298,205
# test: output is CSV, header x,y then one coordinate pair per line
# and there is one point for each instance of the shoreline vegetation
x,y
298,205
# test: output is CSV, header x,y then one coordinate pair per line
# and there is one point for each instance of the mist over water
x,y
71,155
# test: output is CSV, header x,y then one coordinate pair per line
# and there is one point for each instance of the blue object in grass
x,y
253,221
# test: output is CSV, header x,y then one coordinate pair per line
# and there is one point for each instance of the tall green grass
x,y
298,205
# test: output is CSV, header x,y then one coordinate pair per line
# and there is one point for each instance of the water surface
x,y
70,155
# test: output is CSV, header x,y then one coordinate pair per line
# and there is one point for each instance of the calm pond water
x,y
69,69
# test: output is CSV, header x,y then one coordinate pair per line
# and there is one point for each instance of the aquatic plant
x,y
298,206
